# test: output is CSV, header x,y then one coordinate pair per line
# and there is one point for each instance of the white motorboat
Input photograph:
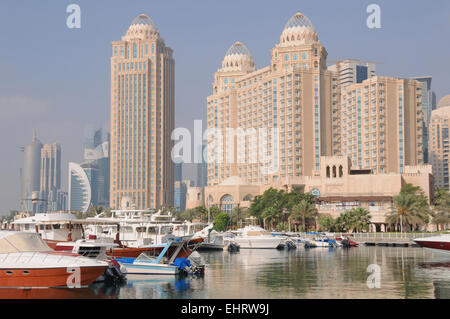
x,y
438,244
255,237
214,241
137,228
53,227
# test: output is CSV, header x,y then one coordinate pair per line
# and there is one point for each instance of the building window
x,y
227,203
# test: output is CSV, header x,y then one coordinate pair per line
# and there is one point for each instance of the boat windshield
x,y
22,242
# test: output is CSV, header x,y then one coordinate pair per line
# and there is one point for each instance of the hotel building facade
x,y
382,124
142,117
352,145
290,107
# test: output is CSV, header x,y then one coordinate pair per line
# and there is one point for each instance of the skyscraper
x,y
50,168
439,143
51,178
80,192
202,169
97,155
293,103
429,104
31,173
142,117
353,71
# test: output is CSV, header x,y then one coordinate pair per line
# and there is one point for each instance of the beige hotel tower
x,y
142,118
376,123
295,94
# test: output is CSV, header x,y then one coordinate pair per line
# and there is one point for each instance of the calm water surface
x,y
300,273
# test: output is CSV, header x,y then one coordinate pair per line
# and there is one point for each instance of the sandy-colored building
x,y
337,185
382,124
439,143
142,117
286,112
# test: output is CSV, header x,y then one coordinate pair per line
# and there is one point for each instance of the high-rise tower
x,y
31,173
142,117
290,105
50,168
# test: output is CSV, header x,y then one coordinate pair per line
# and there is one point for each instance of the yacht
x,y
252,237
54,227
26,261
137,228
438,244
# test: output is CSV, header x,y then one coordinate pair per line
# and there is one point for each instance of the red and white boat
x,y
26,261
438,244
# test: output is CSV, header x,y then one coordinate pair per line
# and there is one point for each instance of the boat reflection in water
x,y
90,292
140,286
438,272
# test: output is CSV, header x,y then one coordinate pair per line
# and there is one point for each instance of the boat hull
x,y
47,277
149,269
258,243
435,245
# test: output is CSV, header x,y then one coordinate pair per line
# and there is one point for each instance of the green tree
x,y
441,214
410,208
356,219
221,222
238,214
306,212
327,223
271,216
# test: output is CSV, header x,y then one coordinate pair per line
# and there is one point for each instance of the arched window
x,y
328,171
341,171
247,198
226,203
334,171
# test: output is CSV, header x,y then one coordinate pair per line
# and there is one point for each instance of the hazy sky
x,y
56,80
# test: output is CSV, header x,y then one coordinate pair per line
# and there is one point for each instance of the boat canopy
x,y
18,242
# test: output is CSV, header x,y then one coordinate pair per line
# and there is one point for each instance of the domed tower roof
x,y
142,27
445,101
238,58
298,30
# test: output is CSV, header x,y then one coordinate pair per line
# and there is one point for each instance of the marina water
x,y
280,274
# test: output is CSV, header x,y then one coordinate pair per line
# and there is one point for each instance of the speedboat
x,y
161,264
438,244
26,261
252,237
214,241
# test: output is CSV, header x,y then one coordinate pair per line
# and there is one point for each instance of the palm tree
x,y
271,214
305,210
408,210
441,214
360,219
238,214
